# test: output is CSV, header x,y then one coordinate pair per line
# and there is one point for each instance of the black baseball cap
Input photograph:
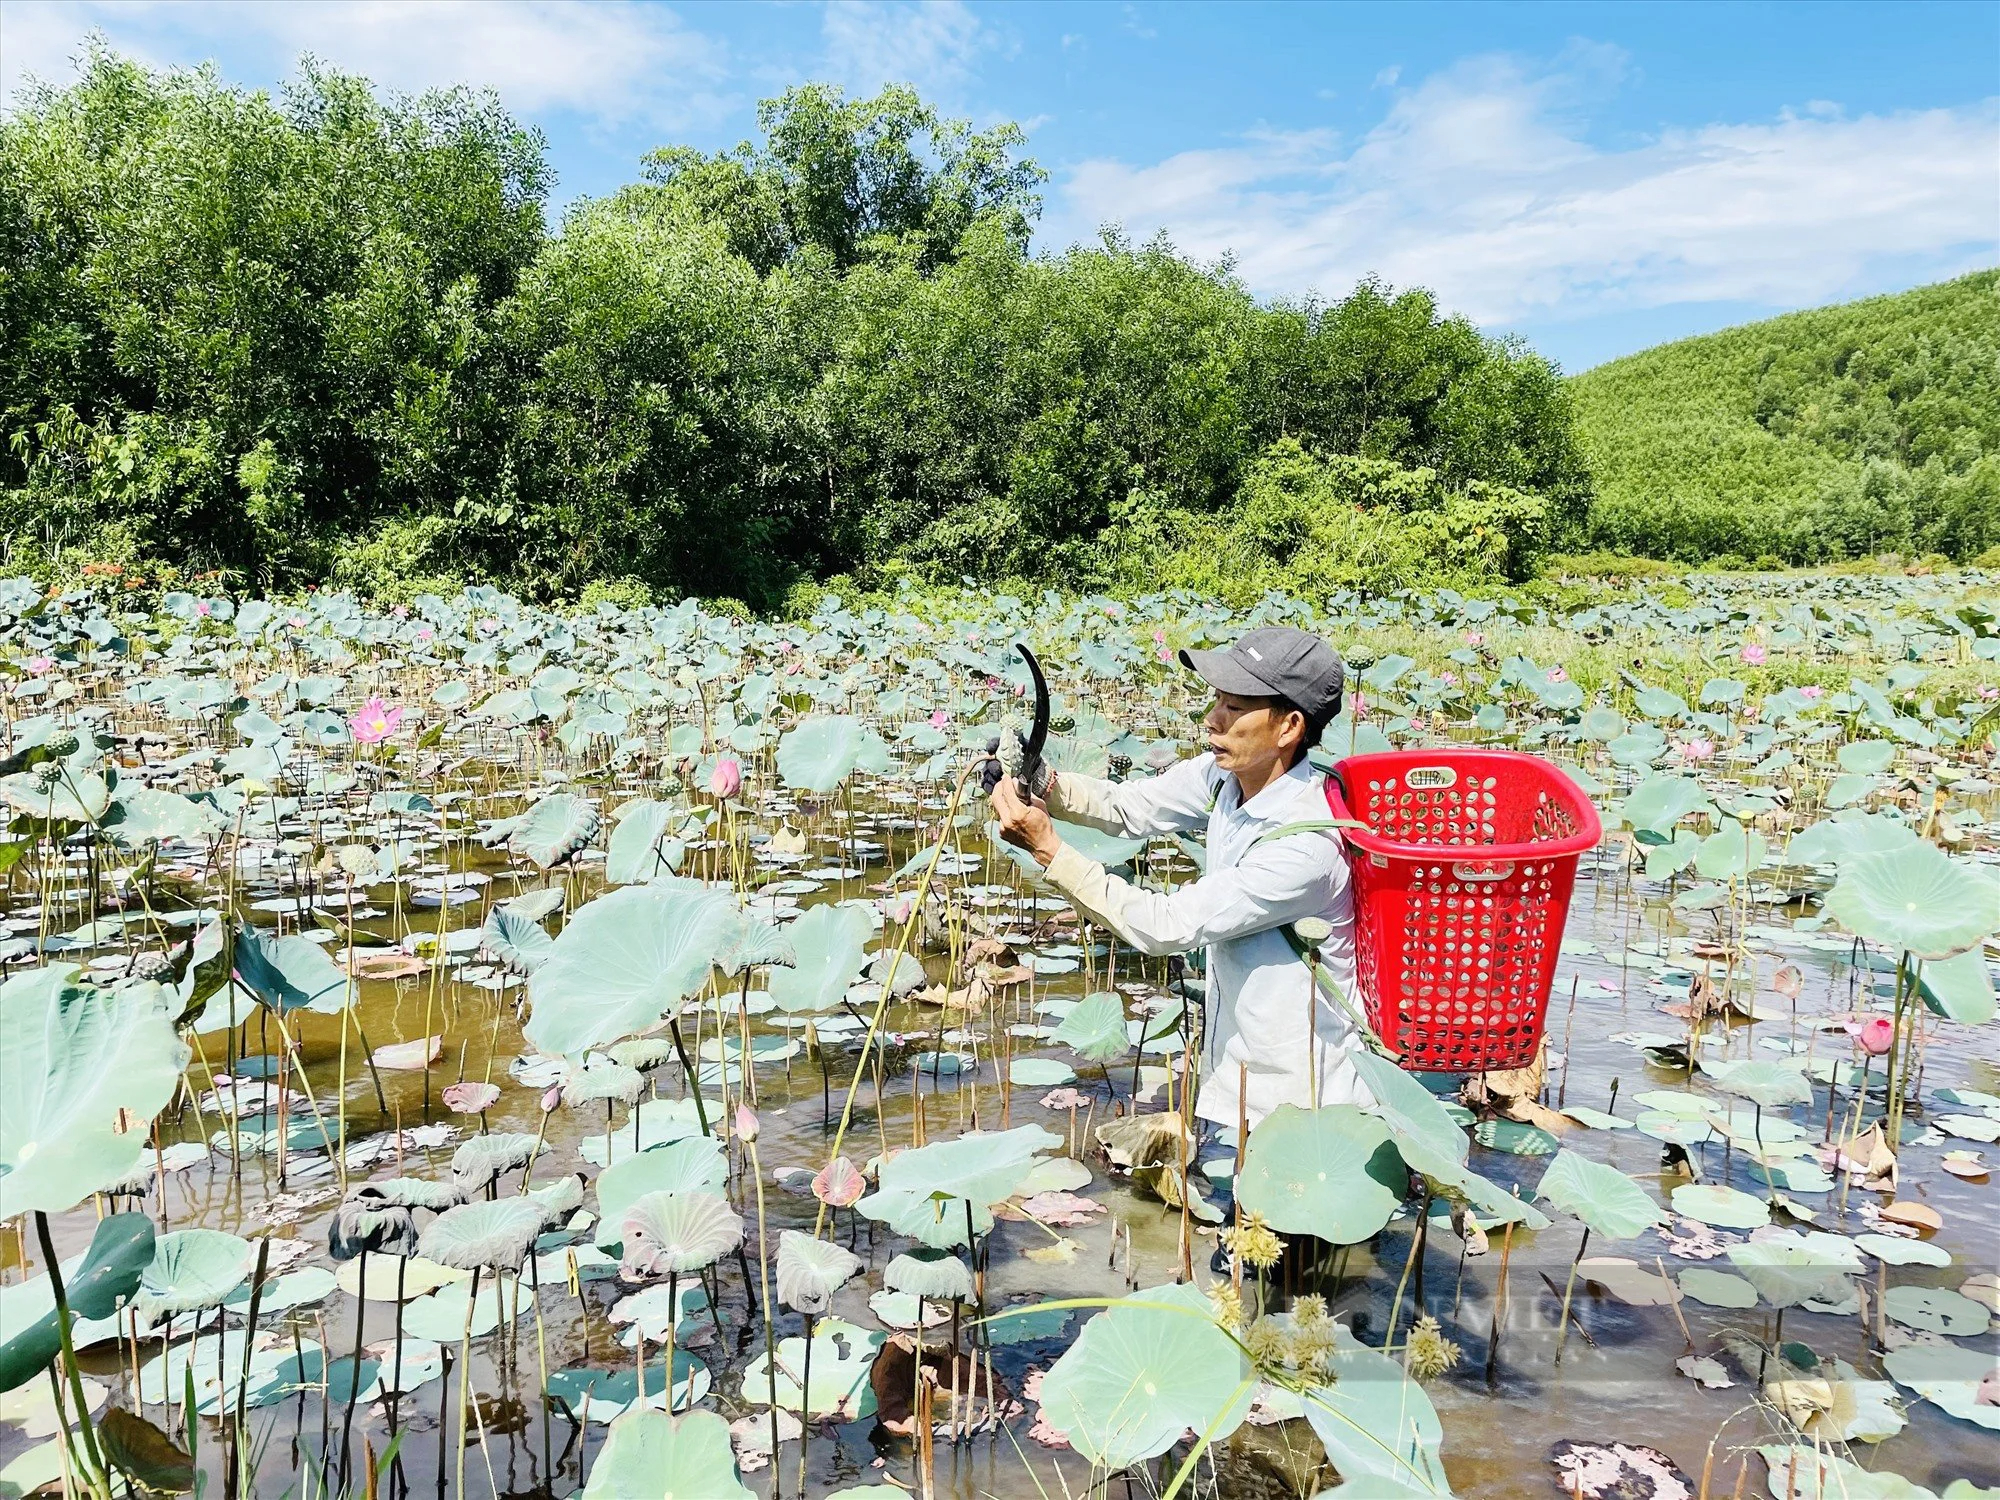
x,y
1276,661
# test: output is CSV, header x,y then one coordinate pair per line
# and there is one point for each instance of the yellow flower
x,y
1254,1243
1429,1353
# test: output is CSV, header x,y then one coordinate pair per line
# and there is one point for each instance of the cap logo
x,y
1253,653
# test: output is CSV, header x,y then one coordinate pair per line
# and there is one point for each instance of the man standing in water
x,y
1265,1044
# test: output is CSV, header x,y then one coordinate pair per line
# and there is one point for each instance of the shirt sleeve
x,y
1275,885
1177,801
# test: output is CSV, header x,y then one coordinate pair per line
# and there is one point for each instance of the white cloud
x,y
1482,183
931,44
612,61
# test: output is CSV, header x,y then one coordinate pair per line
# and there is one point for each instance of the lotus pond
x,y
475,1049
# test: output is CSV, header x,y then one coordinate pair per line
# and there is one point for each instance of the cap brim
x,y
1226,673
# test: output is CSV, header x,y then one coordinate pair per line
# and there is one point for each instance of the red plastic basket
x,y
1461,887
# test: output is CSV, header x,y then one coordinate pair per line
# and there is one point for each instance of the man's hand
x,y
1025,825
1006,752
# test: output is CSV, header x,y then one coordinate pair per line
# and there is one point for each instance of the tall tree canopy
x,y
332,334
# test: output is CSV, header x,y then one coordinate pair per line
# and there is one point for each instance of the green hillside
x,y
1841,432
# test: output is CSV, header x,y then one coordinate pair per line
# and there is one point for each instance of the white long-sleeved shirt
x,y
1268,1025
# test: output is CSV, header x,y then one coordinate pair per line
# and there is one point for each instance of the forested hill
x,y
1839,432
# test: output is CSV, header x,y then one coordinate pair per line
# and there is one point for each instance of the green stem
x,y
69,1347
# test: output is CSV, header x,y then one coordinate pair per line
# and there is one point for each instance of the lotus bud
x,y
1876,1036
551,1097
726,779
747,1125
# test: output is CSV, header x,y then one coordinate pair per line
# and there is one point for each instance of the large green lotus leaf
x,y
694,1164
82,1073
1936,1310
554,829
513,936
1377,1425
144,1454
624,961
1095,1029
476,1236
1949,1375
1730,854
1659,802
1331,1172
677,1233
830,943
289,973
648,1455
1142,1372
1846,836
95,1286
842,1358
934,1275
81,797
1915,899
1720,1205
925,1193
1866,757
1960,987
640,848
193,1269
825,749
1431,1141
982,1167
811,1270
1765,1083
1789,1271
1609,1203
144,815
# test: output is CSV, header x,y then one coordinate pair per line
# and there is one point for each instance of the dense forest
x,y
1841,432
332,335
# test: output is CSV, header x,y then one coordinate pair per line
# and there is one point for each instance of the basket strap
x,y
1332,987
1309,825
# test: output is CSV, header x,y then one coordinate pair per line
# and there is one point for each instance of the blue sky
x,y
1595,178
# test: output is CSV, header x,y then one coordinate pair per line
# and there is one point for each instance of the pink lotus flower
x,y
747,1126
470,1097
839,1183
726,780
1064,1099
1449,679
1875,1035
1557,674
1695,749
201,607
793,665
37,665
939,718
1753,654
375,722
425,633
1159,638
1165,654
489,625
1360,707
1475,638
1811,690
1988,694
401,611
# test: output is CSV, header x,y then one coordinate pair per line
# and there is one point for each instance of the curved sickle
x,y
1031,759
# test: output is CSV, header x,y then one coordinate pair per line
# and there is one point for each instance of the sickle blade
x,y
1031,759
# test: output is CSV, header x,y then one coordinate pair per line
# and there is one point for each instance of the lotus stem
x,y
69,1364
465,1374
770,1335
1562,1330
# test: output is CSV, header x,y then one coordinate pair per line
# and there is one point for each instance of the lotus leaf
x,y
934,1275
825,749
1330,1172
1605,1199
193,1269
1148,1368
82,1073
651,1454
829,945
1935,1310
842,1358
476,1236
95,1286
677,1233
514,939
811,1270
1428,1138
692,1165
1095,1029
1659,802
1915,899
290,973
640,848
1960,987
624,961
554,829
1765,1083
1377,1425
1788,1272
924,1192
1949,1375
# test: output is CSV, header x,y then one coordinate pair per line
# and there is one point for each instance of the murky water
x,y
1627,956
